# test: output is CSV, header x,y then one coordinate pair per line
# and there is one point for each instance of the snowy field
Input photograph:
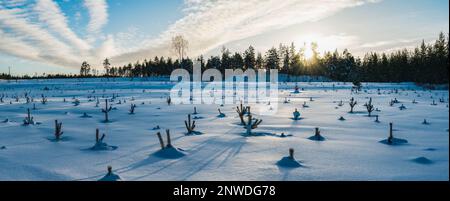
x,y
351,150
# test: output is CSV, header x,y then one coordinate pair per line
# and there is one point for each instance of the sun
x,y
308,53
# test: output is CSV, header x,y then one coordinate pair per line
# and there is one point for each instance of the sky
x,y
56,36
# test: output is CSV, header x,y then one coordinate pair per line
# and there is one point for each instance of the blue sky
x,y
40,36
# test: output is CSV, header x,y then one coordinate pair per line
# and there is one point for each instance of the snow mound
x,y
111,177
288,162
422,160
170,153
317,138
101,146
395,141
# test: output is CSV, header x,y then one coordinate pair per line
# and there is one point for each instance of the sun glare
x,y
308,53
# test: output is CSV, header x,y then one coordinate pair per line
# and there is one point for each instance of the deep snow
x,y
351,151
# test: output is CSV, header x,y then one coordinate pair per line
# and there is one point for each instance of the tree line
x,y
426,63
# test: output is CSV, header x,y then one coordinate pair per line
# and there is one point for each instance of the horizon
x,y
51,37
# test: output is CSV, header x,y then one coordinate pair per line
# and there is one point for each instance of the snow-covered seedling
x,y
369,107
85,115
110,176
311,99
106,110
43,99
402,107
168,151
285,100
169,101
58,130
241,110
425,122
376,119
289,161
190,126
341,118
251,123
133,106
391,140
29,120
414,101
434,102
340,104
221,115
296,114
296,89
195,111
304,105
352,104
317,136
99,144
76,102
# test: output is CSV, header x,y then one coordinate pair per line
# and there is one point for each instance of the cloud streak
x,y
40,31
211,23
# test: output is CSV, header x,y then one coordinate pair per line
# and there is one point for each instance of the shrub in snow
x,y
296,89
341,118
58,130
43,99
304,105
340,104
168,151
425,122
190,126
376,119
241,110
195,111
85,115
169,101
110,176
296,114
133,106
106,110
352,104
289,161
76,102
317,136
285,100
414,101
221,115
434,102
369,107
391,140
29,120
156,127
251,123
99,144
311,99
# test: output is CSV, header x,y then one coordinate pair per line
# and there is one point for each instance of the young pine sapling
x,y
106,110
58,130
352,104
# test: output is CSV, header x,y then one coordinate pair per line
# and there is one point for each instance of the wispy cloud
x,y
42,29
211,23
98,12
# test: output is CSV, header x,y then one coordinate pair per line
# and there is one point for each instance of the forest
x,y
426,63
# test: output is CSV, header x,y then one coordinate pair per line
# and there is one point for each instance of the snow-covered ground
x,y
351,149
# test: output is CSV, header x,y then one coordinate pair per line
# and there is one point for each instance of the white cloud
x,y
98,12
212,23
50,13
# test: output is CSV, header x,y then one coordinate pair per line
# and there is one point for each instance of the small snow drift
x,y
110,176
422,160
168,151
317,136
391,140
289,161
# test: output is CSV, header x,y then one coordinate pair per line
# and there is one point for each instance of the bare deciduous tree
x,y
180,46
